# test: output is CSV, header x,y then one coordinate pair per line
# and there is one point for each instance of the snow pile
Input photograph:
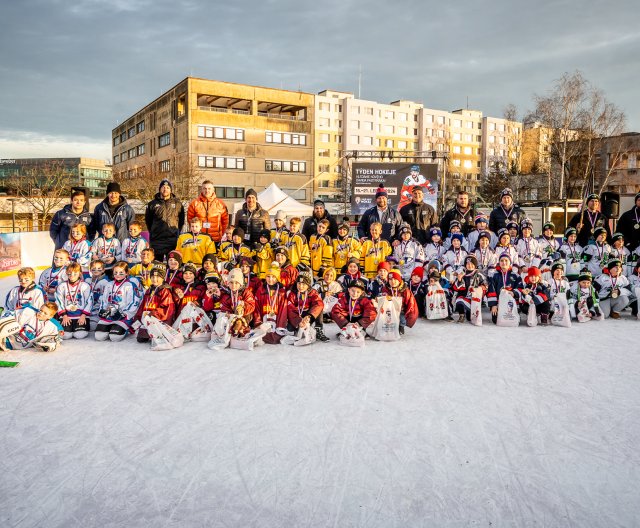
x,y
452,426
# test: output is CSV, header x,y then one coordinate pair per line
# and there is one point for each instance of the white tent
x,y
273,198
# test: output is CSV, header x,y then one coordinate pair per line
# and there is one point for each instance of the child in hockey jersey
x,y
38,329
571,252
231,252
74,301
97,282
173,275
271,304
583,290
354,307
487,259
189,290
528,248
320,247
157,302
467,280
209,265
280,233
329,289
297,244
503,278
194,245
239,302
614,292
351,272
374,251
133,246
618,251
211,297
376,285
304,306
482,226
398,288
435,248
409,253
345,247
288,274
505,246
27,293
118,306
142,270
51,277
558,283
597,254
419,288
263,253
455,256
78,247
534,295
514,232
107,248
549,246
251,280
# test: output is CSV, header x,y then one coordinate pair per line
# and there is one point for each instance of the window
x,y
457,136
132,152
164,140
355,124
116,159
415,131
456,162
123,137
402,144
354,139
338,108
131,132
457,123
492,139
368,111
323,183
467,164
221,162
502,140
165,166
478,139
356,109
467,150
323,153
366,140
140,127
141,149
456,150
230,192
402,116
116,141
440,133
492,126
492,152
440,120
325,107
388,129
388,143
323,168
468,137
376,142
324,121
469,124
285,166
403,131
367,125
501,127
428,131
325,138
236,134
123,156
338,123
389,114
286,138
338,138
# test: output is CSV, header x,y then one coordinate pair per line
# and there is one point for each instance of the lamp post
x,y
13,213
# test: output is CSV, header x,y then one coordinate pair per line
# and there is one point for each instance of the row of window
x,y
130,154
285,166
367,110
467,164
376,142
216,132
285,138
226,162
132,131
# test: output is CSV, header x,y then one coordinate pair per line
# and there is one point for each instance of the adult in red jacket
x,y
238,301
211,210
354,307
304,305
271,304
157,302
396,287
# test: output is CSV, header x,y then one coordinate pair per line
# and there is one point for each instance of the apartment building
x,y
236,135
535,156
502,145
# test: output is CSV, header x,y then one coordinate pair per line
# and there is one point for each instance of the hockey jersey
x,y
80,252
194,247
19,297
49,280
103,249
45,335
119,303
74,300
132,249
408,254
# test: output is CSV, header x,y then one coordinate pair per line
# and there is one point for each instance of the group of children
x,y
286,286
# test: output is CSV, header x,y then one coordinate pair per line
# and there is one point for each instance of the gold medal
x,y
614,293
636,226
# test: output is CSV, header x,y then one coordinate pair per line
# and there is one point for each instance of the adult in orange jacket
x,y
211,210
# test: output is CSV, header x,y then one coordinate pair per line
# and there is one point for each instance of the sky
x,y
70,71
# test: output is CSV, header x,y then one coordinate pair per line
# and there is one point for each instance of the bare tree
x,y
44,188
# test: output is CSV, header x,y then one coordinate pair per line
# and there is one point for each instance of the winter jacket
x,y
174,278
252,222
288,275
499,217
465,219
409,305
74,300
375,287
121,215
159,303
626,225
270,299
279,237
300,305
391,222
165,220
361,311
585,234
252,282
539,292
193,292
420,293
213,212
471,280
64,220
507,279
310,226
229,303
420,217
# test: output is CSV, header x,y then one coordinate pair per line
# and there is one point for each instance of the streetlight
x,y
13,212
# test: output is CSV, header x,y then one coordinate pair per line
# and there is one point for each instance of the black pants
x,y
74,325
543,308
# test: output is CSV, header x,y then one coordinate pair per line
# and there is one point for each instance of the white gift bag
x,y
193,323
304,336
436,303
221,335
561,315
386,327
163,336
476,306
329,302
532,315
582,311
507,310
249,341
352,335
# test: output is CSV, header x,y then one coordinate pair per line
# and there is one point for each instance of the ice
x,y
452,426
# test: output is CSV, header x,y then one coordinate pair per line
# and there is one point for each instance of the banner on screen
x,y
399,180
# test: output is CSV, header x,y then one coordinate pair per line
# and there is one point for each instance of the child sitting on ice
x,y
329,289
467,281
37,329
27,293
189,291
118,306
558,283
503,278
534,295
409,253
142,269
304,306
398,288
97,282
51,277
379,283
75,301
351,272
613,290
354,308
419,288
271,305
157,302
239,302
584,303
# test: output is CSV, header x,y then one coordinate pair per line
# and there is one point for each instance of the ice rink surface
x,y
452,426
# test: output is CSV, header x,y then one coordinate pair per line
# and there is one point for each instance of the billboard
x,y
10,252
398,178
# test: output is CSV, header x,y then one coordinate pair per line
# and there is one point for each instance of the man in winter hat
x,y
164,217
383,213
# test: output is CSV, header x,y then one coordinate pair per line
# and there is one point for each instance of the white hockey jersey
x,y
45,335
409,255
49,280
472,239
548,247
434,252
528,252
74,300
19,298
97,289
132,249
599,254
80,252
103,249
608,283
487,261
119,303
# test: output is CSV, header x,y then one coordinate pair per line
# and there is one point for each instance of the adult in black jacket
x,y
419,215
164,217
629,225
74,213
252,218
588,220
114,209
507,211
319,213
462,212
381,212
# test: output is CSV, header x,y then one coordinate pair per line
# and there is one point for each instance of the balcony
x,y
281,116
224,110
283,111
223,104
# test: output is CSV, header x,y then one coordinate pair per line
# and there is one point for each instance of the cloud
x,y
26,144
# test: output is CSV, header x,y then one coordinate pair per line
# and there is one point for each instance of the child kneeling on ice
x,y
238,301
35,328
503,279
614,290
118,306
398,288
534,295
304,306
271,305
584,303
354,308
75,301
467,280
157,302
